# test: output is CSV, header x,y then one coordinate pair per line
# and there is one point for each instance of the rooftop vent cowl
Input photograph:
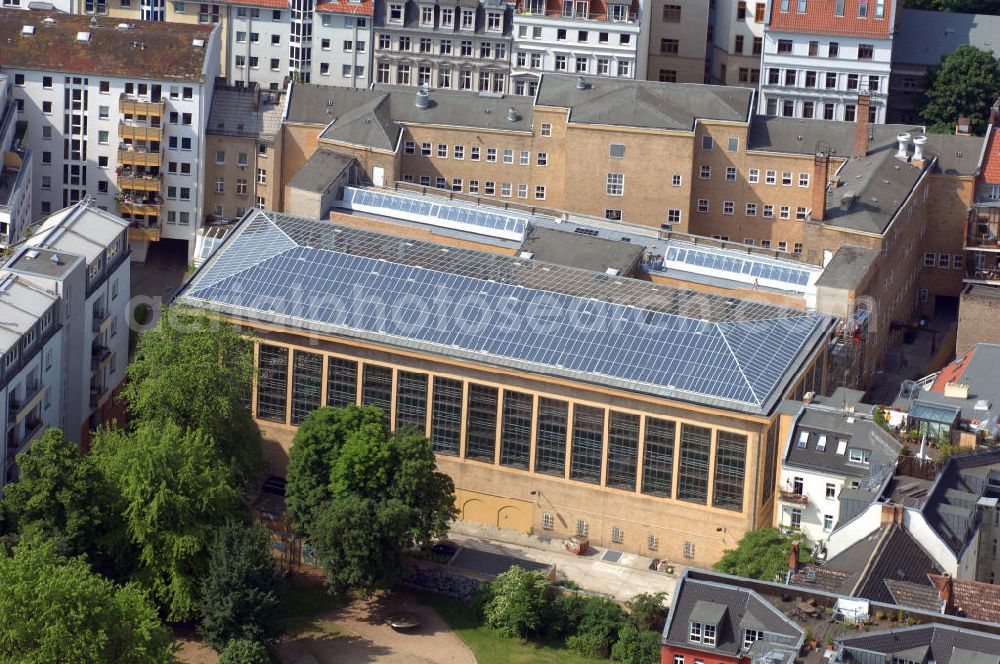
x,y
512,114
581,83
423,100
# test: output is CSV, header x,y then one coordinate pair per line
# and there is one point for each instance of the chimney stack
x,y
904,140
995,114
964,127
918,151
948,595
793,558
861,125
821,175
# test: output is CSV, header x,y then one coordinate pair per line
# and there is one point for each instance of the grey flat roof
x,y
320,171
44,263
22,304
82,230
957,155
649,104
233,113
582,250
878,183
587,326
848,267
924,37
982,291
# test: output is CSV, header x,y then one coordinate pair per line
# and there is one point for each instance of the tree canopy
x,y
363,495
196,372
761,554
54,610
176,491
964,85
516,602
61,496
239,595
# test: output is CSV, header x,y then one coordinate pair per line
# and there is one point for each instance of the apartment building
x,y
462,46
15,170
342,38
923,38
256,37
116,112
64,295
678,40
241,150
737,43
599,38
819,54
834,457
982,238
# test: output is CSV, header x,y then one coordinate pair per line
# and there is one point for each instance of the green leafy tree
x,y
646,611
243,651
597,631
363,495
176,492
196,372
517,601
761,554
964,85
636,646
316,444
54,610
239,596
62,496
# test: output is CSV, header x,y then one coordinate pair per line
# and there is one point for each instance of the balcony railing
x,y
131,105
148,205
140,182
132,156
792,498
136,131
100,317
144,233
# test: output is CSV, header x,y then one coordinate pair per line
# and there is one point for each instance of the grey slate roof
x,y
848,267
583,251
632,103
944,644
739,607
233,114
824,420
951,503
320,171
924,37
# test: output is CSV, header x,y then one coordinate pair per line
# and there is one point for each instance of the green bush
x,y
646,611
636,646
243,651
517,601
598,628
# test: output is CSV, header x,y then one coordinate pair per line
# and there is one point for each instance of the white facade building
x,y
64,297
835,459
127,128
585,38
15,170
819,56
342,43
257,45
737,43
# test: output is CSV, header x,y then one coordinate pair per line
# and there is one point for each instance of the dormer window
x,y
494,21
468,19
447,17
750,636
803,439
821,444
427,16
708,635
857,456
696,631
619,12
395,13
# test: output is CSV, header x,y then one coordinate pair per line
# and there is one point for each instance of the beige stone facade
x,y
515,492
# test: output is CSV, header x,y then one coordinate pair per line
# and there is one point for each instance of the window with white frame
x,y
547,521
803,179
540,193
702,205
676,180
930,259
770,177
753,175
730,173
705,172
442,151
786,212
673,216
750,636
615,184
768,212
827,522
751,210
728,207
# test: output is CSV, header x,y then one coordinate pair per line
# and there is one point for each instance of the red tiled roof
x,y
270,4
165,54
974,599
951,372
991,163
819,18
364,7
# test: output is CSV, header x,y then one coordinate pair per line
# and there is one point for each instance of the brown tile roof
x,y
169,54
362,8
270,4
819,18
991,162
973,599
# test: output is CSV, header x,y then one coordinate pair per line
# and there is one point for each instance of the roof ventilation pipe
x,y
512,114
581,83
918,148
423,98
903,140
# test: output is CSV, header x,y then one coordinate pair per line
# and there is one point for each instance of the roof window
x,y
821,444
27,29
83,36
